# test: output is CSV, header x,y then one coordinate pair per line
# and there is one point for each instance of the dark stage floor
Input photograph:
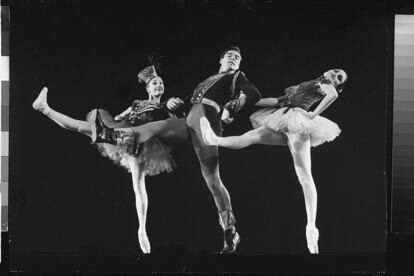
x,y
399,262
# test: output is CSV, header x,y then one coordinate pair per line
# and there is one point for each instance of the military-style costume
x,y
153,153
229,90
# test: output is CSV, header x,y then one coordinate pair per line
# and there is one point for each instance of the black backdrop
x,y
66,199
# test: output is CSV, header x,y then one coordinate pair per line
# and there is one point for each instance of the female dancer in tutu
x,y
287,121
149,158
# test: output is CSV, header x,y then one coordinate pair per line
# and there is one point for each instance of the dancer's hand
x,y
118,118
174,103
225,117
311,114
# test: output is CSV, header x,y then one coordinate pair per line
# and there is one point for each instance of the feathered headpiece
x,y
150,72
147,74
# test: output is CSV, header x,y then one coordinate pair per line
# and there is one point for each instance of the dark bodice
x,y
305,94
145,111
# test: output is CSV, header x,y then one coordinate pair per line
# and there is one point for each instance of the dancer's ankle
x,y
311,224
142,232
45,110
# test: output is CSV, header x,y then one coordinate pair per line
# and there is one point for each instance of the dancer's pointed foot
x,y
227,221
40,104
312,236
209,137
231,240
144,242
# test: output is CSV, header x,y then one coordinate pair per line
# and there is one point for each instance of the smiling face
x,y
230,61
337,76
155,87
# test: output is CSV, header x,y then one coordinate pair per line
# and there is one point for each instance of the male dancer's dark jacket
x,y
229,90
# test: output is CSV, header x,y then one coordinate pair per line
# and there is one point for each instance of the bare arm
x,y
269,102
123,114
330,96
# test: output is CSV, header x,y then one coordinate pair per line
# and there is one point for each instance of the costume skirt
x,y
320,129
154,154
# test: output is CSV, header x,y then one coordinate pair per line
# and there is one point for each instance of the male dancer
x,y
217,98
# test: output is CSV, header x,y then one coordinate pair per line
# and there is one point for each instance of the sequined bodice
x,y
145,111
304,95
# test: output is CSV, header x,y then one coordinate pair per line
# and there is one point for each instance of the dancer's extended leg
x,y
141,201
171,130
261,135
41,105
300,148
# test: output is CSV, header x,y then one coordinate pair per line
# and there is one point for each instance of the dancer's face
x,y
155,87
337,76
230,61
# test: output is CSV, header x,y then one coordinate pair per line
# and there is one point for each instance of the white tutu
x,y
154,154
320,129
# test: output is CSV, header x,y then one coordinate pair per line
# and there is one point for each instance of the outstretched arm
x,y
269,102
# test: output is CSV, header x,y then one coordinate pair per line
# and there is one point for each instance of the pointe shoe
x,y
144,243
209,137
312,236
231,240
40,104
227,221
